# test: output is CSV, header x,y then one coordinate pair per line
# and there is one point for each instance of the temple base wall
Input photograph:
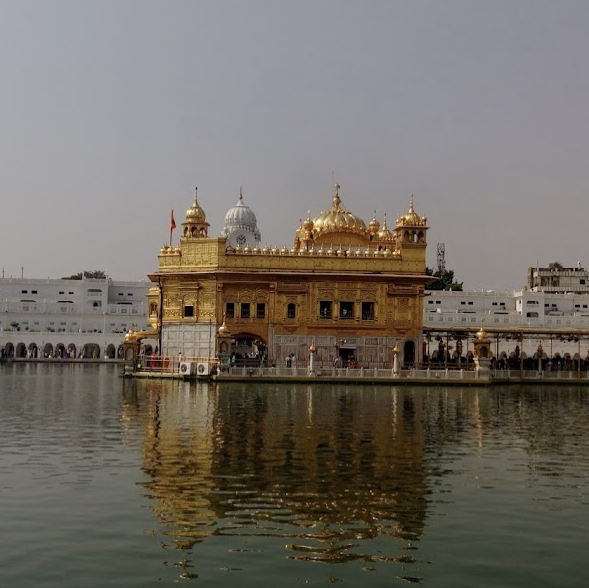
x,y
196,340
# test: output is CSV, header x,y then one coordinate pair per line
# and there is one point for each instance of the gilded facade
x,y
354,290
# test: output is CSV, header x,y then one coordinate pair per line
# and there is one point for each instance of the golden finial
x,y
336,198
240,193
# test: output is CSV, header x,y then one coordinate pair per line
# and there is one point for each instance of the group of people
x,y
291,360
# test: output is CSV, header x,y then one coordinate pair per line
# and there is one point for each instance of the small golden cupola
x,y
195,225
411,228
374,225
304,234
385,235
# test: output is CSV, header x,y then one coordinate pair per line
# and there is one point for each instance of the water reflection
x,y
334,473
325,468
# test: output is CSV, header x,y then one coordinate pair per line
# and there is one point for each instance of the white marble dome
x,y
240,221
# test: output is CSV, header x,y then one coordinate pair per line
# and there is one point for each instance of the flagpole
x,y
172,225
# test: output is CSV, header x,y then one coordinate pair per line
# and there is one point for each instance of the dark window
x,y
346,310
24,291
245,310
581,281
260,310
230,310
368,311
291,311
35,292
470,303
325,309
188,310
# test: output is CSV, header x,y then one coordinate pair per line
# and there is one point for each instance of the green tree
x,y
442,281
86,274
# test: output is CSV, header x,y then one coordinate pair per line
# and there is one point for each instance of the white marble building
x,y
69,318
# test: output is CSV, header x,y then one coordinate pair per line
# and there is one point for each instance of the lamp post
x,y
396,361
540,352
312,351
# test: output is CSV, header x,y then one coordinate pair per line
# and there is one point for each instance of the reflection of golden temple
x,y
342,279
234,459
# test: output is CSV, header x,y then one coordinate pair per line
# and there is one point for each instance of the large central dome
x,y
338,219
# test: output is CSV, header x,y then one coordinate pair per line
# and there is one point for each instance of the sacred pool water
x,y
106,481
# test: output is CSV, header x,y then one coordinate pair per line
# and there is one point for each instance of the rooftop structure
x,y
559,280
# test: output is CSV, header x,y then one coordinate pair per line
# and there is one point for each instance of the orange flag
x,y
172,221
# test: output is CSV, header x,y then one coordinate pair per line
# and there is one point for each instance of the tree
x,y
86,274
444,281
555,265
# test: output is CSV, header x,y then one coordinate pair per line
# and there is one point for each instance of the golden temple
x,y
352,290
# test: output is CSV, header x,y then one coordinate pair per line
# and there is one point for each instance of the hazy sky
x,y
111,112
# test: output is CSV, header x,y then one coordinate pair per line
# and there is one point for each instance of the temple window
x,y
260,310
325,309
346,310
368,311
245,310
188,310
291,311
230,310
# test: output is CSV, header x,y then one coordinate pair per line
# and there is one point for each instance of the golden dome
x,y
411,218
374,225
338,219
385,234
195,214
482,334
223,330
